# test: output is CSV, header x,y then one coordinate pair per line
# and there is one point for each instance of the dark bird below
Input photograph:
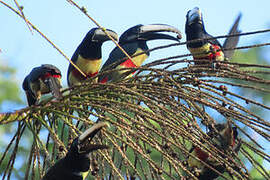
x,y
75,165
224,139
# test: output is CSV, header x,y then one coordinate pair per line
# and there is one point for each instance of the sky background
x,y
66,26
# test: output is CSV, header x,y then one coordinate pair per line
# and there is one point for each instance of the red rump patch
x,y
78,75
216,52
51,75
128,63
201,154
104,80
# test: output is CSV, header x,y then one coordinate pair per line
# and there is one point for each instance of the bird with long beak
x,y
203,49
223,139
88,55
133,41
42,80
76,164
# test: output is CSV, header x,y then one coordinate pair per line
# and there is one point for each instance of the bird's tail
x,y
231,42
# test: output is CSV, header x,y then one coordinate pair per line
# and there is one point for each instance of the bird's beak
x,y
84,141
153,36
101,36
194,16
54,86
160,28
150,32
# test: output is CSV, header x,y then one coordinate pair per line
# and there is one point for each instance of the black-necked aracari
x,y
42,80
88,55
205,49
76,164
133,41
223,137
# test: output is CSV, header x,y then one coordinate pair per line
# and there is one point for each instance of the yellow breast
x,y
201,51
88,66
138,60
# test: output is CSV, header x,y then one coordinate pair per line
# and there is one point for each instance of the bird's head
x,y
226,136
148,32
97,35
90,47
194,28
194,19
83,144
50,71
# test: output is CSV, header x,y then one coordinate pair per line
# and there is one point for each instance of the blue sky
x,y
66,26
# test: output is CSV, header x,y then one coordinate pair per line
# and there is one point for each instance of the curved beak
x,y
54,86
194,16
101,36
153,36
160,28
84,140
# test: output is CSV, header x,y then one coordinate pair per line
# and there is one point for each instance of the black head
x,y
90,46
148,32
99,36
195,27
194,21
83,145
43,71
51,68
194,16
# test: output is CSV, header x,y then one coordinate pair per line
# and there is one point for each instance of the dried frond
x,y
155,118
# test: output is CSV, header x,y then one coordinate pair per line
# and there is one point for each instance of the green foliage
x,y
9,90
254,56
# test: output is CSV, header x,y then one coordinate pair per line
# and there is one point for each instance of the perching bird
x,y
204,50
42,80
88,55
133,41
224,139
75,165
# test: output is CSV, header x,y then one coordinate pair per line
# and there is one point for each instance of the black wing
x,y
212,41
31,98
74,58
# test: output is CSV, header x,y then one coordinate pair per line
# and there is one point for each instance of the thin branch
x,y
44,36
